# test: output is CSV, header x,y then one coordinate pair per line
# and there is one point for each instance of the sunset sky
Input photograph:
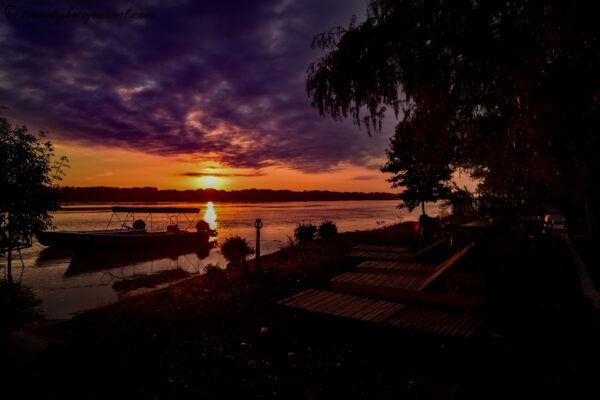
x,y
202,94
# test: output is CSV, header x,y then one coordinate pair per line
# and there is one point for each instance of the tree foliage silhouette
x,y
514,83
28,171
421,166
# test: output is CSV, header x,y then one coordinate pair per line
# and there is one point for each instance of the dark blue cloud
x,y
220,80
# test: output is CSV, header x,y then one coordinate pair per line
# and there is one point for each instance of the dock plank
x,y
434,321
421,319
336,309
378,280
307,301
390,249
380,255
347,306
396,267
328,302
392,255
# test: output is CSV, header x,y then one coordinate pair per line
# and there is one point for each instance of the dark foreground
x,y
222,336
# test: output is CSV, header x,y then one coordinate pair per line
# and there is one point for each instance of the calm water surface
x,y
70,283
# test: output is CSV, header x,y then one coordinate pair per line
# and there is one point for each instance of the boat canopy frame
x,y
173,213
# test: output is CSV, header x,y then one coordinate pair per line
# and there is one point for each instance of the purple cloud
x,y
218,80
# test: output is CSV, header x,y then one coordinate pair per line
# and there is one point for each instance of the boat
x,y
132,233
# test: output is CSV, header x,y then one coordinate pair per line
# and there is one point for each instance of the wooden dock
x,y
420,319
410,282
389,249
392,255
406,287
440,322
389,298
343,305
396,267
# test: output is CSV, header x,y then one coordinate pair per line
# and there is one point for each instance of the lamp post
x,y
258,224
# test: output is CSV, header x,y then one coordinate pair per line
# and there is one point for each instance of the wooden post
x,y
258,224
9,261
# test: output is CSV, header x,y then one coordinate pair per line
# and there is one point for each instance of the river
x,y
69,283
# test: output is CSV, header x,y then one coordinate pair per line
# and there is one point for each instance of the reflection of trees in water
x,y
90,262
149,280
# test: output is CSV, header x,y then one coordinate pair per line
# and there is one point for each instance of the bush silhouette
x,y
305,232
236,249
327,228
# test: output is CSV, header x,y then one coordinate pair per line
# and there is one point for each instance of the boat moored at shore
x,y
135,236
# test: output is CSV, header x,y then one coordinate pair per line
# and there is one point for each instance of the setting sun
x,y
211,182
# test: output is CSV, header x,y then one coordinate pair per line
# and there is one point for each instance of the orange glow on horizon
x,y
122,167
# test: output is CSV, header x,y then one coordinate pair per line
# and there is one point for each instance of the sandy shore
x,y
221,335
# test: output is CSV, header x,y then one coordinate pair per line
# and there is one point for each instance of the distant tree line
x,y
151,194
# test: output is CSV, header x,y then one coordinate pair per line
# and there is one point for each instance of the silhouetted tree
x,y
421,164
27,174
517,82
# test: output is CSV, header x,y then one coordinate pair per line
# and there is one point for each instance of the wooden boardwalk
x,y
389,249
399,280
381,255
410,282
388,293
406,287
439,322
393,255
434,321
397,267
343,305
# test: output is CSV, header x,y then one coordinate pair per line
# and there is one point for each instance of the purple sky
x,y
161,85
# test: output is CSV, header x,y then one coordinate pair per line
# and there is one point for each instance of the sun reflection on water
x,y
210,215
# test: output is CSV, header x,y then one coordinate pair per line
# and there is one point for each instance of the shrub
x,y
305,232
236,249
18,306
211,269
327,228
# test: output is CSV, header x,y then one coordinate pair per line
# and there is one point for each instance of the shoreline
x,y
204,336
106,205
62,295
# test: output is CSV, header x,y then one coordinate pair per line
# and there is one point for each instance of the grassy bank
x,y
222,336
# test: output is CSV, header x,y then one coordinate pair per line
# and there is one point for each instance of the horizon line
x,y
216,190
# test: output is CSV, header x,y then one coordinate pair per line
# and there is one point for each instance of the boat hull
x,y
109,241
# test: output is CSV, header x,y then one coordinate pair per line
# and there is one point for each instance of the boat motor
x,y
139,225
172,228
203,226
